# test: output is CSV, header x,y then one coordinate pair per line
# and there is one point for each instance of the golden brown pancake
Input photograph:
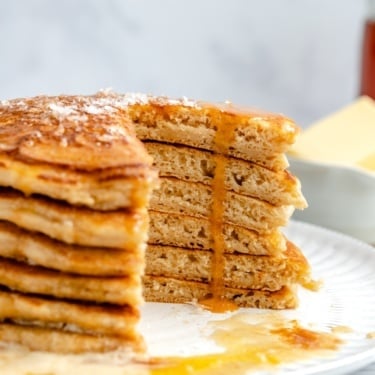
x,y
54,340
193,232
122,290
243,177
240,270
74,225
106,189
260,137
167,289
74,148
195,199
37,249
70,316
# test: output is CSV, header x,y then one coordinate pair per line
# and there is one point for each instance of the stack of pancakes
x,y
75,185
225,193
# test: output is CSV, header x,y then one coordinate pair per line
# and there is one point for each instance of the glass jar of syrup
x,y
367,79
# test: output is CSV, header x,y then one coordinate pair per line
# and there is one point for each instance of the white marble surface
x,y
299,57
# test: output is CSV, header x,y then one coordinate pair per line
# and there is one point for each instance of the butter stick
x,y
346,137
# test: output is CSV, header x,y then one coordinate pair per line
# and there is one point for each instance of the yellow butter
x,y
368,162
347,137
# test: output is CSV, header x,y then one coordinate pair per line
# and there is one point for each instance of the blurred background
x,y
297,57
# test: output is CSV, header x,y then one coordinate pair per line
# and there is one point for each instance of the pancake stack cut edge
x,y
225,194
75,183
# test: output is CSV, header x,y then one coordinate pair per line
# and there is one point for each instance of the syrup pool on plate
x,y
253,342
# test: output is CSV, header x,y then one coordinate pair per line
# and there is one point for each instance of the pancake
x,y
37,249
106,189
240,270
246,178
54,340
72,317
17,276
78,225
260,137
80,149
164,289
195,199
193,232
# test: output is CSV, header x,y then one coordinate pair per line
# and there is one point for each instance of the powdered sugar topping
x,y
61,110
129,99
99,119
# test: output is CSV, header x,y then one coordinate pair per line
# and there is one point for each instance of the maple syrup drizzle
x,y
250,342
268,340
223,139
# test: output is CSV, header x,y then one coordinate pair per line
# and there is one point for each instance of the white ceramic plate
x,y
347,267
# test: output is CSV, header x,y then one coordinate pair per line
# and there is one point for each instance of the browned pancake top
x,y
170,106
92,132
214,114
83,132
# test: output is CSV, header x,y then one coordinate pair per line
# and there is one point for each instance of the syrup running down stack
x,y
225,193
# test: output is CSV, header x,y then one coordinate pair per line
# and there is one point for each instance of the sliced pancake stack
x,y
75,185
225,193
